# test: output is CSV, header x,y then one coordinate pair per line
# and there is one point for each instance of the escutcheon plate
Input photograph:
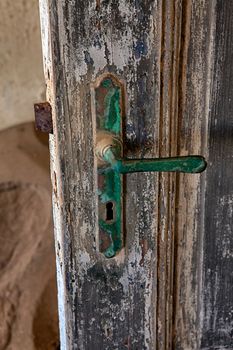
x,y
109,109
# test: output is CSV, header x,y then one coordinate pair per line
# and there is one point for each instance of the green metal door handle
x,y
108,94
189,164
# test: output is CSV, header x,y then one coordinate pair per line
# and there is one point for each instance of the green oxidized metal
x,y
108,101
109,115
190,164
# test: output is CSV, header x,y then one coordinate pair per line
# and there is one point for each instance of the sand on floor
x,y
28,296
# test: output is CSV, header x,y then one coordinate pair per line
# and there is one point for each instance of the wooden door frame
x,y
165,59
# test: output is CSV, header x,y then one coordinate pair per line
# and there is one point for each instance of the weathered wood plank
x,y
151,295
104,304
217,327
170,56
198,28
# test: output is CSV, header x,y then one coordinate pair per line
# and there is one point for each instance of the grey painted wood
x,y
170,287
203,272
104,304
198,33
217,285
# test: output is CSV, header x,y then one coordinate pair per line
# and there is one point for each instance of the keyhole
x,y
109,211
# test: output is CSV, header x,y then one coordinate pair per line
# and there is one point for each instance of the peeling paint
x,y
124,302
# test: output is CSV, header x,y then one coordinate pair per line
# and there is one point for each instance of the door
x,y
164,68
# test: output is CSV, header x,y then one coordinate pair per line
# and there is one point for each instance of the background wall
x,y
28,303
21,72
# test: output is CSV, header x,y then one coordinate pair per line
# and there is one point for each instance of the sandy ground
x,y
28,304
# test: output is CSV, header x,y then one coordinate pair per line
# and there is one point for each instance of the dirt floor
x,y
28,304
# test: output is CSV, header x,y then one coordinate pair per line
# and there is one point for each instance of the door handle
x,y
109,150
108,101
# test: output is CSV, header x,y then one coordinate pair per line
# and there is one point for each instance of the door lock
x,y
109,112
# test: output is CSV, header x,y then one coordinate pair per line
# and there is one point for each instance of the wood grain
x,y
104,304
198,28
158,293
217,328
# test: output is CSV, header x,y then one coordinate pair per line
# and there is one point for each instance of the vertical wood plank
x,y
170,44
104,304
149,296
217,328
196,57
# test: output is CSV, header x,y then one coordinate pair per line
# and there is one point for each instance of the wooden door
x,y
170,287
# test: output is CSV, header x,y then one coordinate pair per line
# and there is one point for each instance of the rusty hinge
x,y
43,117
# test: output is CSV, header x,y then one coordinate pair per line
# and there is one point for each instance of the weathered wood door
x,y
171,286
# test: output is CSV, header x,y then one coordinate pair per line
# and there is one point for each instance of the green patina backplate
x,y
109,110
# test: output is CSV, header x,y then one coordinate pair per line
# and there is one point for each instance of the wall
x,y
28,303
21,72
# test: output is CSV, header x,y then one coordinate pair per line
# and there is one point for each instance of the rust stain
x,y
43,117
97,4
105,241
55,185
144,245
127,343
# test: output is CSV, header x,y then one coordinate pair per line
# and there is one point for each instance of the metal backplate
x,y
108,104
